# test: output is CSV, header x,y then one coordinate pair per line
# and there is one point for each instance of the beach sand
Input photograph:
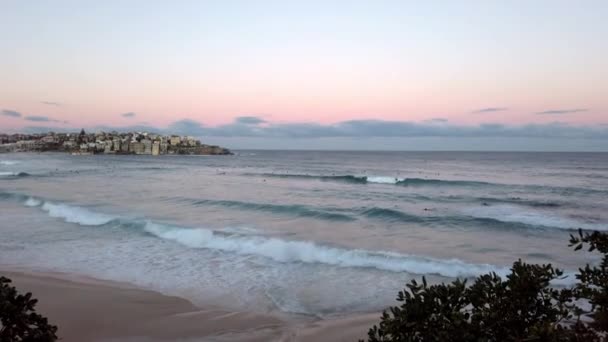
x,y
87,309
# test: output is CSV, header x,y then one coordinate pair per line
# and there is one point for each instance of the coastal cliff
x,y
83,143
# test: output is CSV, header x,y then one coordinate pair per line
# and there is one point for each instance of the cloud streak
x,y
382,128
436,120
38,118
562,111
360,129
249,120
11,113
41,118
51,103
128,115
490,110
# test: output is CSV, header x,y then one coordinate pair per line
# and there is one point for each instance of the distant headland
x,y
108,143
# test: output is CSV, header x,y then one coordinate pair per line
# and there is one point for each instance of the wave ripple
x,y
276,249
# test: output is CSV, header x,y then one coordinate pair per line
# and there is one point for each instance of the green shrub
x,y
18,318
522,307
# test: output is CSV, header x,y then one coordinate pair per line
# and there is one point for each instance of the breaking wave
x,y
335,178
32,202
279,250
382,180
249,243
429,182
71,214
481,216
8,162
501,216
309,252
375,179
510,213
496,217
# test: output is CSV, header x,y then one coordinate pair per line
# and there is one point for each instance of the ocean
x,y
309,233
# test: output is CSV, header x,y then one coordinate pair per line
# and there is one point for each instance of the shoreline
x,y
90,309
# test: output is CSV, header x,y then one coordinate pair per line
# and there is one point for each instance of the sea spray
x,y
310,252
513,214
382,180
74,214
279,250
8,162
276,249
32,202
360,179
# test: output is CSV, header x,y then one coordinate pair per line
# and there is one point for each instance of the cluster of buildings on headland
x,y
107,143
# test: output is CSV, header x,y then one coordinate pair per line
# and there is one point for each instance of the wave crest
x,y
9,162
391,215
32,202
438,182
73,214
512,214
293,209
309,252
430,182
376,179
336,178
279,250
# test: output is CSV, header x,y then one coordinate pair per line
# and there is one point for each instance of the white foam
x,y
285,251
8,162
309,252
32,202
567,279
383,180
510,213
74,214
279,250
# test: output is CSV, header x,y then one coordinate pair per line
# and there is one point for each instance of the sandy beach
x,y
87,309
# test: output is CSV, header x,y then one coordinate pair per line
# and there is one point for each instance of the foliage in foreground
x,y
522,307
18,318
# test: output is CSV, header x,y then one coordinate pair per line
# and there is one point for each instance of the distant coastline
x,y
140,143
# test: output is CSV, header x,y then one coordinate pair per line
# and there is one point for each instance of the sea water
x,y
297,232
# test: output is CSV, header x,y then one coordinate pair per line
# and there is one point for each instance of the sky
x,y
396,75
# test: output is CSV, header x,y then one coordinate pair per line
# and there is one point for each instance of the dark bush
x,y
522,307
18,318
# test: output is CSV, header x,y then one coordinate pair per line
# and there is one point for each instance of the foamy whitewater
x,y
314,233
8,162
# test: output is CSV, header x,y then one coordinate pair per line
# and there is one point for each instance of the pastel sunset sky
x,y
313,74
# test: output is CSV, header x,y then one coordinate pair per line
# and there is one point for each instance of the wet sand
x,y
87,309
